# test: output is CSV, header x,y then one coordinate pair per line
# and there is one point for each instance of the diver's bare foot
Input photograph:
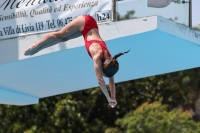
x,y
30,50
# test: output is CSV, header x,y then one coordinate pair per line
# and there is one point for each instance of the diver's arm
x,y
97,68
112,87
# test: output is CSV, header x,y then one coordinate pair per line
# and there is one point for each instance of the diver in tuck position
x,y
104,64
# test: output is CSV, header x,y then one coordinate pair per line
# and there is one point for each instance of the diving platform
x,y
158,46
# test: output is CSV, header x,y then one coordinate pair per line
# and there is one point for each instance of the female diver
x,y
104,64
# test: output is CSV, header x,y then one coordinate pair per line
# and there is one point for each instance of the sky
x,y
196,12
173,10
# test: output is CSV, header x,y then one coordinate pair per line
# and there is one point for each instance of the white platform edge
x,y
178,30
107,31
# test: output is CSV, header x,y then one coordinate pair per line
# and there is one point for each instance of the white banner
x,y
125,1
22,17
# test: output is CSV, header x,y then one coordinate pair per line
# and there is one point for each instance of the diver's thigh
x,y
76,25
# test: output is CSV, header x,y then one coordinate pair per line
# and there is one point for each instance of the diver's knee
x,y
55,35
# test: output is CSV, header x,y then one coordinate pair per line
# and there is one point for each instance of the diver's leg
x,y
75,35
56,37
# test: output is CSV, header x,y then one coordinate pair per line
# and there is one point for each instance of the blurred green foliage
x,y
128,15
196,28
155,118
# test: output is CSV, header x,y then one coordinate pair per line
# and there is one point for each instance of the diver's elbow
x,y
100,80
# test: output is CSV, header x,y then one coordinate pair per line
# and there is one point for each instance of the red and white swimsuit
x,y
90,23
